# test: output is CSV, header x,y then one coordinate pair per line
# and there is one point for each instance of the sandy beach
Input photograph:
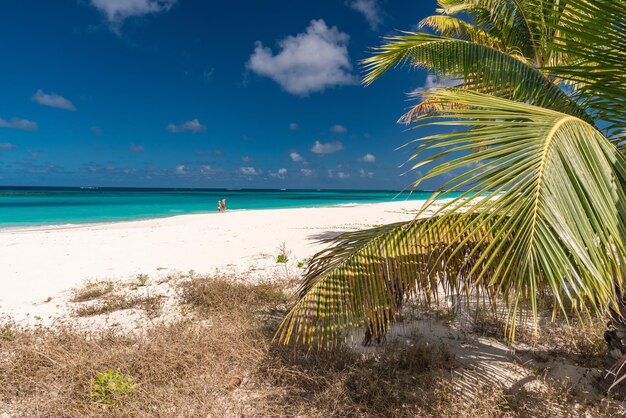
x,y
42,268
42,263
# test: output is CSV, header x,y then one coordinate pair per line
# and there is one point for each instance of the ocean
x,y
33,206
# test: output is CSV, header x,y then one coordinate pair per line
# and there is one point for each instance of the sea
x,y
36,206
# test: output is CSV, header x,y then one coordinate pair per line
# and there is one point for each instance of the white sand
x,y
40,263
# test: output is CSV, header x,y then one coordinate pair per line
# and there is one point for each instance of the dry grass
x,y
150,304
581,340
223,295
92,290
184,369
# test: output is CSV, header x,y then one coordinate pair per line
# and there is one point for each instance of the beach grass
x,y
92,290
220,360
151,304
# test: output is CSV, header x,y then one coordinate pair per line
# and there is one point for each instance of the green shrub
x,y
283,253
110,386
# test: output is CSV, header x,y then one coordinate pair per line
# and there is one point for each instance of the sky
x,y
190,93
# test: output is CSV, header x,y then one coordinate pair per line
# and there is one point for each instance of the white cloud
x,y
193,125
366,174
368,158
307,172
295,157
307,62
205,169
22,124
136,148
281,173
339,129
249,171
53,100
181,169
294,126
338,174
370,10
116,11
6,146
247,159
433,81
326,148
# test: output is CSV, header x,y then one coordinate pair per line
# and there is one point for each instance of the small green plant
x,y
142,279
283,254
110,386
304,263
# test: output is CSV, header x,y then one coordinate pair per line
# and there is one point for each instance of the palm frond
x,y
593,35
460,29
506,20
557,177
482,68
540,208
426,104
364,275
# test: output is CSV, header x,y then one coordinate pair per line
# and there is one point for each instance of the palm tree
x,y
537,203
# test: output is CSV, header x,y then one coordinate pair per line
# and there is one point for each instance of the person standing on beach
x,y
224,205
219,206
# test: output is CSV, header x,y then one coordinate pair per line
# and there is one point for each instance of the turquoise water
x,y
24,206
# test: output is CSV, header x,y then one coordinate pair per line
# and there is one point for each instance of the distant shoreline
x,y
50,208
79,225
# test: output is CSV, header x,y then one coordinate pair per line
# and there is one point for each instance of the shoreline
x,y
55,226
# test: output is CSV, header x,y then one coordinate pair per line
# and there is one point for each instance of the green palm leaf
x,y
482,67
358,279
593,35
557,178
546,213
507,20
460,29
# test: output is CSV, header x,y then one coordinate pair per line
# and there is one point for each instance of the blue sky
x,y
189,93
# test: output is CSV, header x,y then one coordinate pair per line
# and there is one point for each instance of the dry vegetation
x,y
150,304
92,290
578,339
99,298
220,361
